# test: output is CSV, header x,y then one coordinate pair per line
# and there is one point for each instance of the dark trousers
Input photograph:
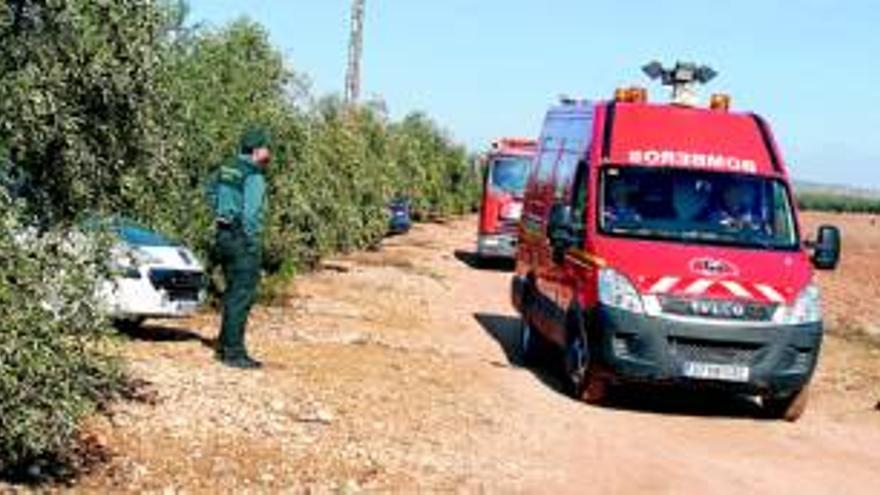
x,y
241,271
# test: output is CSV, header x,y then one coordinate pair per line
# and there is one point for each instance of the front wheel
x,y
580,371
790,408
530,345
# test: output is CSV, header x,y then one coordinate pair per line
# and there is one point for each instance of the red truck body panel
x,y
694,139
672,136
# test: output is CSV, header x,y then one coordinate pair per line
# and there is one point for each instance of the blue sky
x,y
485,68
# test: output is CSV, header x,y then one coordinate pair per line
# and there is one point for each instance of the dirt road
x,y
392,371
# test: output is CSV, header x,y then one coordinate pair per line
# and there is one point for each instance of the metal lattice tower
x,y
355,48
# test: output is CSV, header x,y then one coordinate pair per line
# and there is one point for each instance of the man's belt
x,y
227,224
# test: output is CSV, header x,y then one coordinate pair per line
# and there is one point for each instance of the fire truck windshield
x,y
697,207
509,173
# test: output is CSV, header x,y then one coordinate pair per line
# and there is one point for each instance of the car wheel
x,y
790,407
580,372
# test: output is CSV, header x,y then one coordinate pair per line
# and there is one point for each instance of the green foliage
x,y
52,371
334,168
119,107
77,99
839,203
433,172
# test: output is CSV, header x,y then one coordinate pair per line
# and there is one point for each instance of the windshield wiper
x,y
698,234
738,238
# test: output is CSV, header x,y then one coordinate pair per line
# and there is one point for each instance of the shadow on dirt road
x,y
650,399
505,330
472,260
160,333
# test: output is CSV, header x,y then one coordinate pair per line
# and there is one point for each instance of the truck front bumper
x,y
774,360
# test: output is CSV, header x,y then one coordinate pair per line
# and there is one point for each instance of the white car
x,y
153,277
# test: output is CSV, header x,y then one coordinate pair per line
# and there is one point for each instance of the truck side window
x,y
565,170
782,229
546,161
579,199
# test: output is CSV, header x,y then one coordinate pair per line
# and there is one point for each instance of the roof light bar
x,y
720,102
632,94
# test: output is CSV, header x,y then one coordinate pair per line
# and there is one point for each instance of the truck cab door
x,y
577,270
551,149
561,230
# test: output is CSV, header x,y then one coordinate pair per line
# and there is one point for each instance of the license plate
x,y
712,371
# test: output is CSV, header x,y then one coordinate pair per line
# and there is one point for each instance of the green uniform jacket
x,y
239,195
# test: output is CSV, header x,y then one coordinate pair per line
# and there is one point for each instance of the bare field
x,y
852,292
389,371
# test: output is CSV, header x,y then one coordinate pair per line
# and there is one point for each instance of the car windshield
x,y
129,231
694,206
137,235
509,173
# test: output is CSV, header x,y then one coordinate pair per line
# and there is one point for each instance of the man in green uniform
x,y
238,198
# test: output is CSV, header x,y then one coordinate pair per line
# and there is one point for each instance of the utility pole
x,y
355,48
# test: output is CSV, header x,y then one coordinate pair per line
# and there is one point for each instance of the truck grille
x,y
717,308
180,285
713,352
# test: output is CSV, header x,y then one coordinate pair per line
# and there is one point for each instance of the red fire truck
x,y
504,178
660,244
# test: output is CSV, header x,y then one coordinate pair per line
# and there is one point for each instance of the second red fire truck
x,y
506,167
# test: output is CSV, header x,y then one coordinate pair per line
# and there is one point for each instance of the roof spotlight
x,y
683,78
653,70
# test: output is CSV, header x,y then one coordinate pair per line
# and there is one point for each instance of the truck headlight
x,y
805,309
616,291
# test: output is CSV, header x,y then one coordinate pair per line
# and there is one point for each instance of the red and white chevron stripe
x,y
716,288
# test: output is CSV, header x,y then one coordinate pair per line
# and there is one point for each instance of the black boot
x,y
242,361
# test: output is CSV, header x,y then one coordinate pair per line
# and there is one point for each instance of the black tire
x,y
789,408
529,344
582,379
531,347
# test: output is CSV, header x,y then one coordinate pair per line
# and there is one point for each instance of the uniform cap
x,y
254,137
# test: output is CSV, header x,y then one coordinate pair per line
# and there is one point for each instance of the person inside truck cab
x,y
690,198
619,207
737,208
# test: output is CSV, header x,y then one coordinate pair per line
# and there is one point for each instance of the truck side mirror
x,y
559,230
826,249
